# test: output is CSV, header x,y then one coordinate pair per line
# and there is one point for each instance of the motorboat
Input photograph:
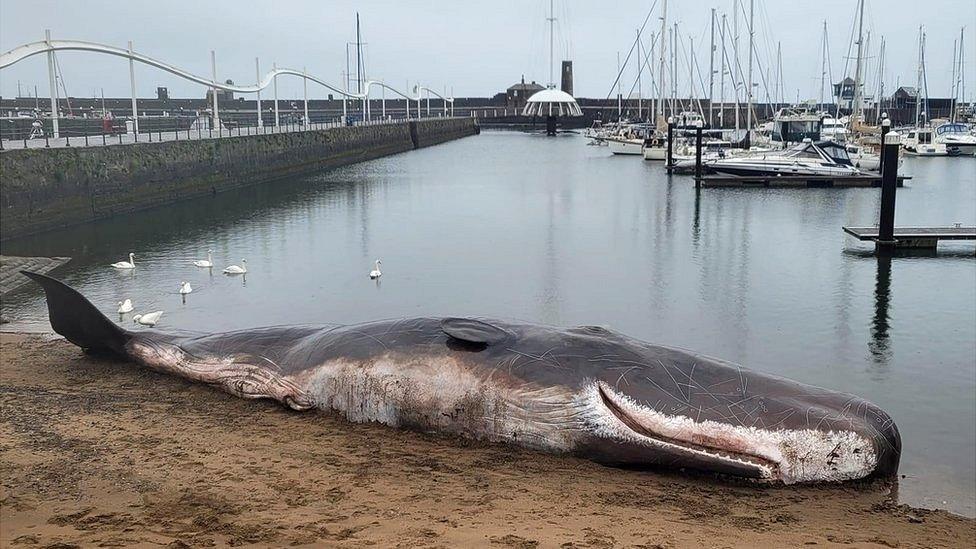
x,y
957,138
920,142
833,129
794,124
820,158
862,158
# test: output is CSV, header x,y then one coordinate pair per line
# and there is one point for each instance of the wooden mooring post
x,y
698,155
889,185
669,161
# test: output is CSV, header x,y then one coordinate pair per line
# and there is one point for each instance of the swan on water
x,y
375,273
185,287
148,319
130,264
206,263
125,306
237,269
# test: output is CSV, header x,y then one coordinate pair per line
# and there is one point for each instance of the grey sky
x,y
478,48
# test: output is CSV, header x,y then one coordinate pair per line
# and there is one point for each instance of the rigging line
x,y
60,79
847,60
634,45
646,56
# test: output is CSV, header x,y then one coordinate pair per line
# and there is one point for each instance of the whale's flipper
x,y
77,319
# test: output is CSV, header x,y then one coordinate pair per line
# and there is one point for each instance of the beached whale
x,y
584,391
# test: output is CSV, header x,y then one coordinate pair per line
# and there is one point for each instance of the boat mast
x,y
962,63
660,82
552,21
856,111
640,68
674,69
691,70
711,70
721,80
918,89
952,88
779,72
620,107
737,76
823,63
925,81
881,89
749,75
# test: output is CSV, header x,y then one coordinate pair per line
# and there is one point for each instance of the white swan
x,y
125,306
375,273
130,264
148,319
205,263
185,287
235,269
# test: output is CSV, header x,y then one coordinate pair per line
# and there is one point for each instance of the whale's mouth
x,y
702,446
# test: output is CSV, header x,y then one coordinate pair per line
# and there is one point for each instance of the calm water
x,y
551,230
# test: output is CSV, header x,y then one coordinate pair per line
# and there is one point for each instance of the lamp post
x,y
132,86
257,72
305,87
52,81
216,112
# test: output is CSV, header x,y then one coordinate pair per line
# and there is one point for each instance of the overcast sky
x,y
476,48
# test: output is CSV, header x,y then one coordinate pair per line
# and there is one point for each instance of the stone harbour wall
x,y
42,189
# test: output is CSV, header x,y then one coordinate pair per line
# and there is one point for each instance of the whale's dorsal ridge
x,y
474,331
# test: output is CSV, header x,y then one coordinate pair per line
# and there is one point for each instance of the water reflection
x,y
879,344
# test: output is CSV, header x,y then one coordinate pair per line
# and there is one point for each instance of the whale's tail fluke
x,y
75,318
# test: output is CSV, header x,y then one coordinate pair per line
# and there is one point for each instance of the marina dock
x,y
915,237
794,181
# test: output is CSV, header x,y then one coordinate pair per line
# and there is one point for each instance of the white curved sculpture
x,y
49,46
551,102
36,48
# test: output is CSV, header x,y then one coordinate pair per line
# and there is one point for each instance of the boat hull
x,y
625,146
656,153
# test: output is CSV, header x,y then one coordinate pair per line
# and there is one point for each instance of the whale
x,y
582,391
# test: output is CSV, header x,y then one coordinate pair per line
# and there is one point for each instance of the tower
x,y
566,83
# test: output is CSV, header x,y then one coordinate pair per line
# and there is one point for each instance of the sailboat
x,y
919,141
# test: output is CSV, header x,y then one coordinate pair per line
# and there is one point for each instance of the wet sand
x,y
97,452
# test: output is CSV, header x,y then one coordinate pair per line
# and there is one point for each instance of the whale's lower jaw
x,y
789,455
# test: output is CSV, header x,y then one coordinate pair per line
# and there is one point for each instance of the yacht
x,y
629,140
957,138
832,129
794,124
656,148
920,142
825,158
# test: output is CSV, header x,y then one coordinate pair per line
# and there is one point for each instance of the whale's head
x,y
641,404
653,404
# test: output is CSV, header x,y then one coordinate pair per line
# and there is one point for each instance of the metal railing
x,y
169,129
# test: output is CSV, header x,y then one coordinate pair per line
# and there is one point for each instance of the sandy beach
x,y
97,452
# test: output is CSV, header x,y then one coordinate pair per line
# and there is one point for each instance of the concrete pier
x,y
42,189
